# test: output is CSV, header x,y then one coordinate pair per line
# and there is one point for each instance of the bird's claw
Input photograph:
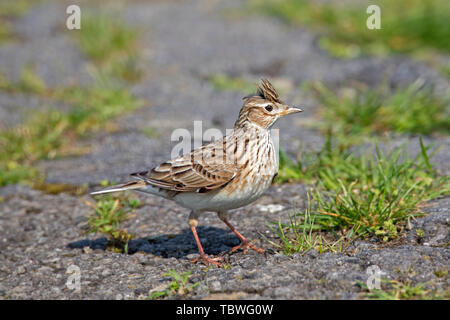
x,y
207,260
247,245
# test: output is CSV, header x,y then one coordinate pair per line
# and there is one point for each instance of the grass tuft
x,y
15,8
93,107
225,82
150,132
109,212
104,35
10,10
360,111
29,82
397,290
50,133
301,235
111,44
366,195
22,146
57,188
179,285
406,27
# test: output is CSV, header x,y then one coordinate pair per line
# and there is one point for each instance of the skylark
x,y
226,174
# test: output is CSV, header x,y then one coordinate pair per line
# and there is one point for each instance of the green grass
x,y
178,285
25,144
109,212
10,10
301,235
57,188
364,192
397,290
225,82
15,8
406,26
150,132
93,107
28,83
445,71
111,44
442,273
309,166
104,35
360,111
51,133
365,195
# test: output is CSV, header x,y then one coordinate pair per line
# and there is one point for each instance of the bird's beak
x,y
290,110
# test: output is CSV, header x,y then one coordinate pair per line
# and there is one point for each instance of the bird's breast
x,y
257,168
255,177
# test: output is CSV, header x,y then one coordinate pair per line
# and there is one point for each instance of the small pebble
x,y
21,270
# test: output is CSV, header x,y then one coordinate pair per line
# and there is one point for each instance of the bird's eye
x,y
269,108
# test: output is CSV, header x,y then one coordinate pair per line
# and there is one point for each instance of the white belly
x,y
217,200
234,195
220,200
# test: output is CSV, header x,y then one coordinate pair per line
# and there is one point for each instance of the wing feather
x,y
196,172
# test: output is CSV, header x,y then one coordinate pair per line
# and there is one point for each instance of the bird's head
x,y
264,108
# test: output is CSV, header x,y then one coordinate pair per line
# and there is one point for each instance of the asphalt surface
x,y
183,44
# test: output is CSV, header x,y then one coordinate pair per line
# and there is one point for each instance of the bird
x,y
225,174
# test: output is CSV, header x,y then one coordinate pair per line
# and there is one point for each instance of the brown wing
x,y
200,171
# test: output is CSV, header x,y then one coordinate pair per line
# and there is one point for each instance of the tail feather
x,y
122,187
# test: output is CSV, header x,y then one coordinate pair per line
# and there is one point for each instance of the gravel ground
x,y
41,239
184,43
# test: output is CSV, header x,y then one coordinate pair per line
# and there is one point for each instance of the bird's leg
x,y
245,244
193,222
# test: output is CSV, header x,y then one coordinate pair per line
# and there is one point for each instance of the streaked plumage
x,y
226,174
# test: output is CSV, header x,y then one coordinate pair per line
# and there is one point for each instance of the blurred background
x,y
81,106
80,109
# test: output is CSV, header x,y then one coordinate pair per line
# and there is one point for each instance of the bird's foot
x,y
247,245
207,260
